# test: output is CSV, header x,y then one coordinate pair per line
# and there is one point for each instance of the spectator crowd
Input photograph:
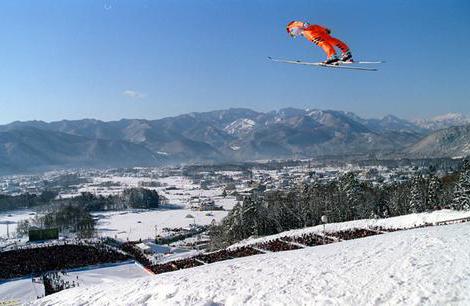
x,y
276,245
56,281
43,260
37,260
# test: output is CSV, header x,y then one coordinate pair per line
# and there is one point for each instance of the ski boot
x,y
332,60
347,57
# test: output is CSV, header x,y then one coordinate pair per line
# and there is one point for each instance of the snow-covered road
x,y
425,266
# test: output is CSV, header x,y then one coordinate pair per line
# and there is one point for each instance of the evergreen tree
x,y
461,200
352,191
232,225
381,210
434,191
417,200
252,223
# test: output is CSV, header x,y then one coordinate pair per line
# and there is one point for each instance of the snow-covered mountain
x,y
443,121
235,134
450,142
424,266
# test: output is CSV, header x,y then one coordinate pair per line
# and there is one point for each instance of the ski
x,y
319,64
362,62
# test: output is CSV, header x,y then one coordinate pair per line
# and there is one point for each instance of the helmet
x,y
295,28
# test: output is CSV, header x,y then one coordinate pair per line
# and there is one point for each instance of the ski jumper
x,y
318,35
322,38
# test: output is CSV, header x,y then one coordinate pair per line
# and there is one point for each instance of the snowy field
x,y
141,224
185,189
25,290
425,266
134,225
12,217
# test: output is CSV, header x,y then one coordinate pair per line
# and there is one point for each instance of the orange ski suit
x,y
321,37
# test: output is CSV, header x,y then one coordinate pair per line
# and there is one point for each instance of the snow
x,y
187,189
400,222
105,275
443,121
235,148
24,290
425,266
450,116
20,291
124,224
11,218
135,225
240,126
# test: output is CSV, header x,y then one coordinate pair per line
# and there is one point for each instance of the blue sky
x,y
112,59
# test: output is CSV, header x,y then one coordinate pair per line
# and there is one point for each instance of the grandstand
x,y
36,259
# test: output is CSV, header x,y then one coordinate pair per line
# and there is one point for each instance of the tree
x,y
140,198
232,225
352,191
23,227
381,210
417,200
434,191
64,217
461,199
252,216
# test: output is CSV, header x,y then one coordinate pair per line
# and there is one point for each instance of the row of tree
x,y
25,200
73,214
65,218
344,199
129,198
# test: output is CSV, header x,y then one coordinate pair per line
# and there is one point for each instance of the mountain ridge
x,y
235,134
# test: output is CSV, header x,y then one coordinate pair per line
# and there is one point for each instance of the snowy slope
x,y
24,290
114,273
425,266
240,126
20,291
399,222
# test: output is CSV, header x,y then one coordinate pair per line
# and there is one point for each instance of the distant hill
x,y
443,121
450,142
235,134
28,148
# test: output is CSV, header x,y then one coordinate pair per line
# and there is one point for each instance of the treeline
x,y
26,200
130,198
345,199
73,214
70,218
